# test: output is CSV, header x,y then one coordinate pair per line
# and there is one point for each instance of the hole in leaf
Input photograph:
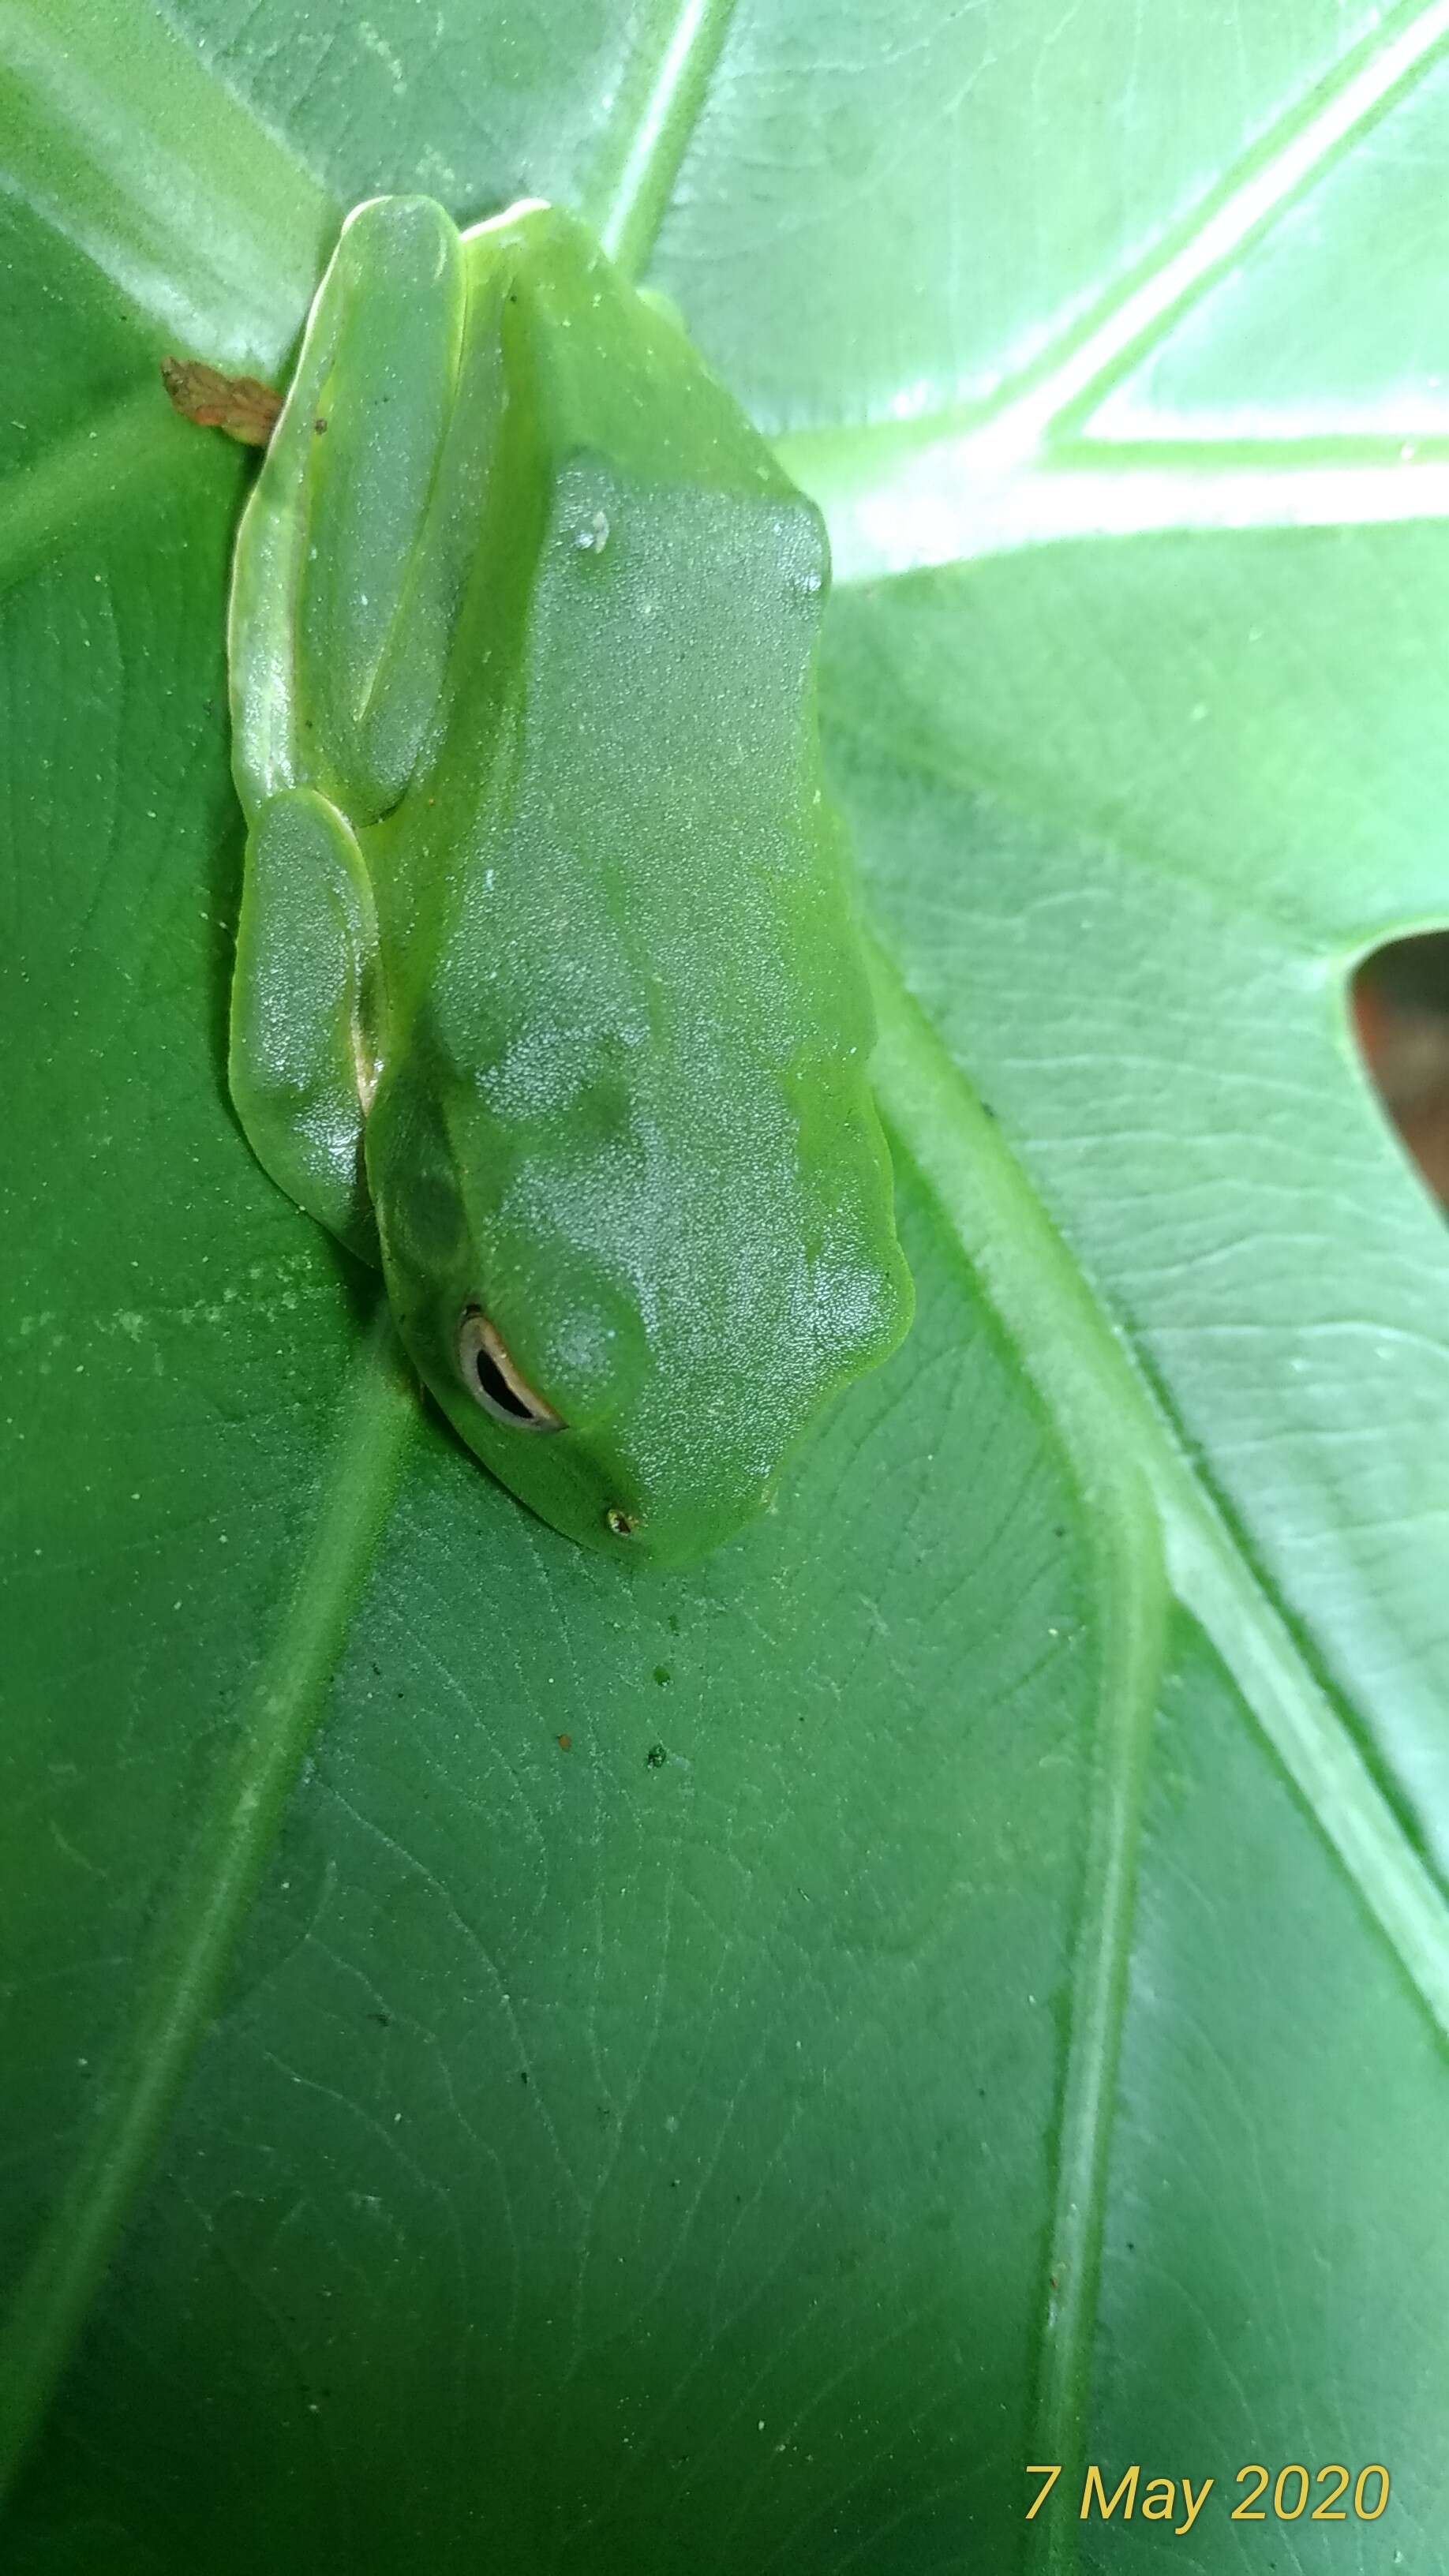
x,y
1401,1016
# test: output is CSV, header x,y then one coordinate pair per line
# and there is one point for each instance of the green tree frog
x,y
548,993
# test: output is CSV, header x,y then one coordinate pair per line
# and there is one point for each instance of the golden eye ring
x,y
494,1380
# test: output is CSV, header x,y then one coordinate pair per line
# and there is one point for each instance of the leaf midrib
x,y
975,479
629,192
1156,1534
1025,460
215,226
178,1985
1098,1390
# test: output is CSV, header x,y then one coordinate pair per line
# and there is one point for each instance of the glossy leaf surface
x,y
507,2062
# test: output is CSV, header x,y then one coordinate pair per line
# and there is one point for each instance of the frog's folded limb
x,y
362,523
305,1031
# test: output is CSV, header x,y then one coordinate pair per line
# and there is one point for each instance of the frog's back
x,y
650,1003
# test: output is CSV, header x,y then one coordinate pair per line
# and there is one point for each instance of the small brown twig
x,y
240,405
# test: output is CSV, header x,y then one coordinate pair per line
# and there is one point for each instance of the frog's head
x,y
630,1319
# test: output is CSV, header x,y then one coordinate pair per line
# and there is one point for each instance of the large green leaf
x,y
510,2063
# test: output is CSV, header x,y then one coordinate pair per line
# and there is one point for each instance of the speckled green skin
x,y
523,629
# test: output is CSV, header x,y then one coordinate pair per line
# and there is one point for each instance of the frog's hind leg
x,y
306,1011
349,555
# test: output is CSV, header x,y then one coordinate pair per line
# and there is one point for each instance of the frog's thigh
x,y
304,1015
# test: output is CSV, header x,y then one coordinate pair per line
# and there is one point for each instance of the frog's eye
x,y
492,1379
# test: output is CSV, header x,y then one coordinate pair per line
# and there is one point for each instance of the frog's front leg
x,y
306,1027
